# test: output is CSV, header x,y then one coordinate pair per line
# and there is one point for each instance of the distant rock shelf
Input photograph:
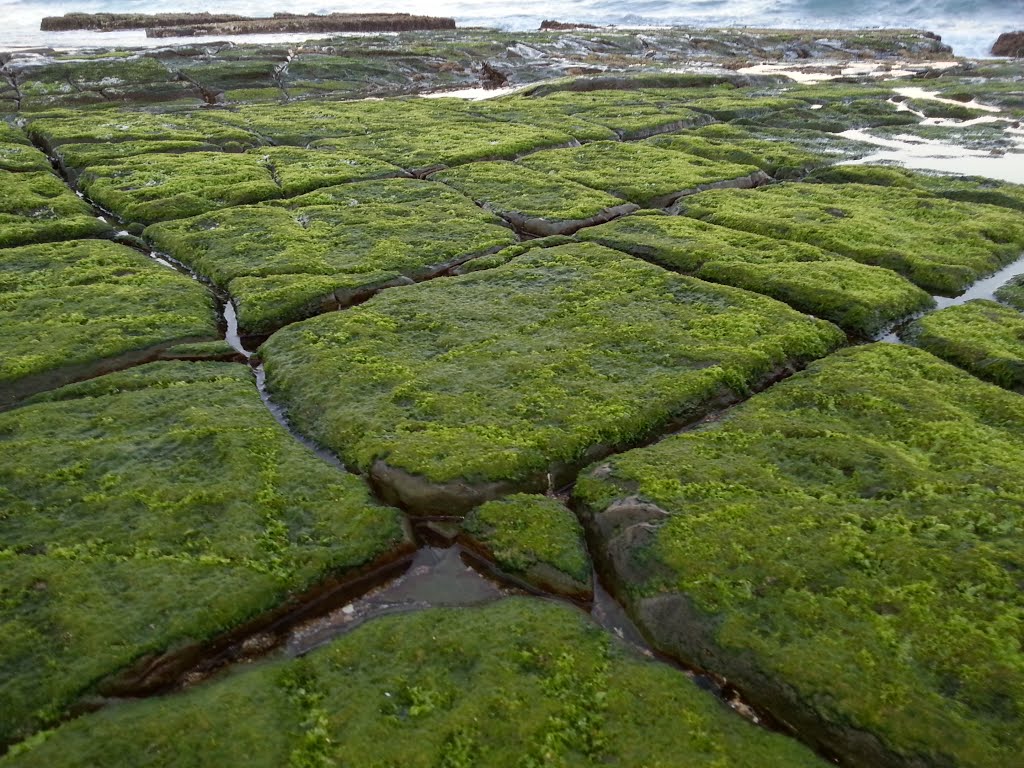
x,y
201,24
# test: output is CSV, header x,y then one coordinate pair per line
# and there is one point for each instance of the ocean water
x,y
970,26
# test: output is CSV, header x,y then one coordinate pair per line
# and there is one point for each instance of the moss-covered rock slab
x,y
859,298
940,245
20,157
535,539
159,187
454,392
37,207
648,176
535,202
80,308
148,513
776,158
982,337
148,188
968,189
846,549
1011,293
290,259
519,682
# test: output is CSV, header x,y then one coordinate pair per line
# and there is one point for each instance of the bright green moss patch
x,y
77,156
37,207
775,158
982,337
540,203
294,258
16,156
645,175
108,126
151,508
968,189
521,682
451,391
535,538
303,170
847,549
159,187
1012,292
859,298
940,245
65,307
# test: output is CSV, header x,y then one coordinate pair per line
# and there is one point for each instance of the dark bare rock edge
x,y
314,23
1009,44
561,26
108,22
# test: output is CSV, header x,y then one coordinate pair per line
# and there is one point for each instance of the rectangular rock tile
x,y
536,202
845,549
37,207
455,391
859,298
648,176
75,309
940,245
290,259
148,513
982,337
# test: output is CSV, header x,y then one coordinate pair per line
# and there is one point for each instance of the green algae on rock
x,y
844,548
148,188
536,202
533,538
648,176
36,207
453,392
982,337
1011,293
291,259
776,158
159,187
521,682
859,298
968,189
940,245
21,157
76,309
149,512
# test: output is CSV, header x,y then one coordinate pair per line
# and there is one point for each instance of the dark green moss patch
x,y
1012,292
37,207
778,159
982,337
292,259
521,682
533,538
645,175
941,245
159,187
846,549
968,189
16,156
74,309
154,510
859,298
453,392
536,202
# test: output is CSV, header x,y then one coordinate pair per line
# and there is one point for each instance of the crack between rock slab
x,y
420,496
